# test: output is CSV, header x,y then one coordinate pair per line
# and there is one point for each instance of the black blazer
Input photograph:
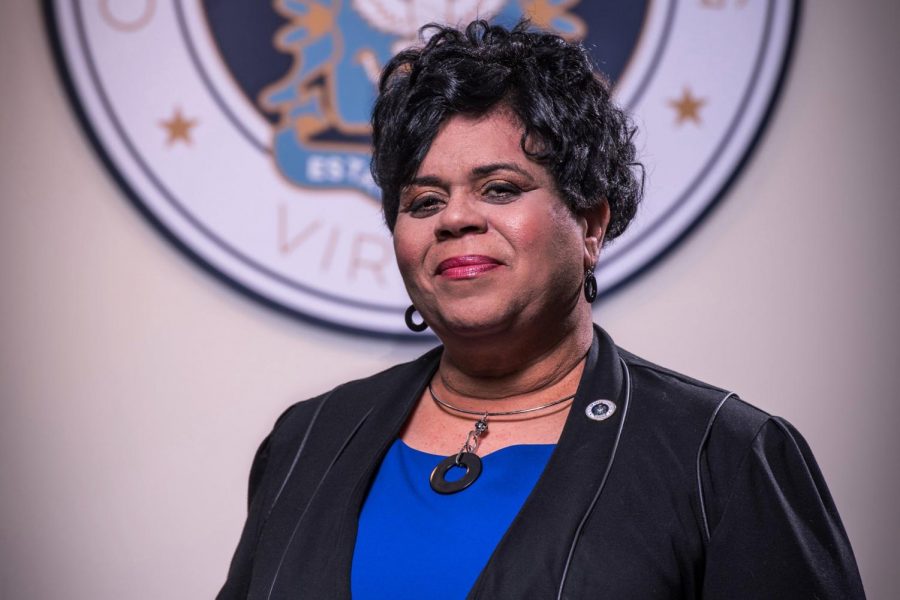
x,y
684,492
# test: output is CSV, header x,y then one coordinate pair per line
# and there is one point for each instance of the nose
x,y
461,216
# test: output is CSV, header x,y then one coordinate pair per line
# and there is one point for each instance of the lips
x,y
466,267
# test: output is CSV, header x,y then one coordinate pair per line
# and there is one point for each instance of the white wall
x,y
135,386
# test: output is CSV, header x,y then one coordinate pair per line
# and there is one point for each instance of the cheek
x,y
403,253
552,235
408,251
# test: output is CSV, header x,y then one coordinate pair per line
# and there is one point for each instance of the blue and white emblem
x,y
600,410
242,126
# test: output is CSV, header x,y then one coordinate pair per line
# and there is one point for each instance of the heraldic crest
x,y
338,47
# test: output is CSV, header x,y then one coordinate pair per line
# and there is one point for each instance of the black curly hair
x,y
582,137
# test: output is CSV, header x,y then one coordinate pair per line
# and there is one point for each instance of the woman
x,y
528,457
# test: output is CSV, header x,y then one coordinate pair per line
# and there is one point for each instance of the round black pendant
x,y
438,480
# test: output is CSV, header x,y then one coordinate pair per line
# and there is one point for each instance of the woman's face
x,y
482,239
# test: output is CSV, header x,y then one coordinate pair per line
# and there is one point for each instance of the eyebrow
x,y
480,171
426,180
490,168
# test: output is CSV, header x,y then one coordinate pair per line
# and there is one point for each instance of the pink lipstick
x,y
466,267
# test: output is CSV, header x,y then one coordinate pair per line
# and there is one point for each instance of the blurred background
x,y
135,386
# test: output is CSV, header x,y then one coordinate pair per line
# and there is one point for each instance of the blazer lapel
x,y
306,547
530,559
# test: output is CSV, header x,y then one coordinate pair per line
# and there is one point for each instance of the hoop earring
x,y
413,326
590,285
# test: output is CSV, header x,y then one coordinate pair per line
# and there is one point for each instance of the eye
x,y
501,191
424,205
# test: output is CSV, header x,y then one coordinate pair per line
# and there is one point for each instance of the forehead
x,y
465,142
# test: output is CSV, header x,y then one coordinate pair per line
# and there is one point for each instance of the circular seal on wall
x,y
242,127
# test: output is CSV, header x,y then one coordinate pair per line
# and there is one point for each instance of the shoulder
x,y
350,397
327,416
671,398
735,458
695,432
724,444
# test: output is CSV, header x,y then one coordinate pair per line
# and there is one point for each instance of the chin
x,y
472,322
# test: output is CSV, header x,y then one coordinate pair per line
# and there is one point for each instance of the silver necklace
x,y
466,458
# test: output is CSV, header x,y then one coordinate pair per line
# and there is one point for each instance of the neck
x,y
535,363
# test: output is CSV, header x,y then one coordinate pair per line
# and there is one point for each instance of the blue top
x,y
416,543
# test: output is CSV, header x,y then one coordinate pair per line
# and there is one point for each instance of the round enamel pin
x,y
600,410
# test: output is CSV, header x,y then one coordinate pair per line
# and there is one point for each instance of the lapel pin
x,y
600,410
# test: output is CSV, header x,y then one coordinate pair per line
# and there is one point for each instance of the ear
x,y
594,221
